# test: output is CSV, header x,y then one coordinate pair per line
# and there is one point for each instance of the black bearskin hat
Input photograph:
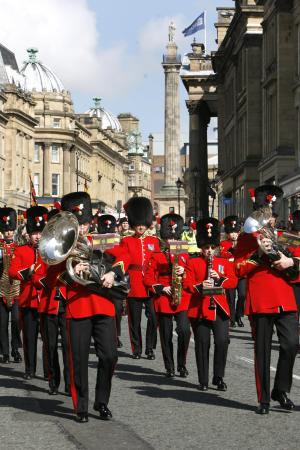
x,y
171,226
106,224
208,232
295,220
232,224
139,211
78,203
8,219
36,219
268,195
53,213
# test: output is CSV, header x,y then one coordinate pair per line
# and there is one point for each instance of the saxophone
x,y
176,285
9,289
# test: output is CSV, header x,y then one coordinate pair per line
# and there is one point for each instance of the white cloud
x,y
66,35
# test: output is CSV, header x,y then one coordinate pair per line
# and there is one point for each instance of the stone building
x,y
257,67
41,136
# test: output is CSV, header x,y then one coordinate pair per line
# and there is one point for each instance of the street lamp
x,y
179,185
195,171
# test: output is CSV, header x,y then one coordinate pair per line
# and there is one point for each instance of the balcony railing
x,y
171,59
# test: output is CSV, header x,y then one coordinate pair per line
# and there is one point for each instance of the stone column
x,y
46,170
73,167
171,65
66,168
199,120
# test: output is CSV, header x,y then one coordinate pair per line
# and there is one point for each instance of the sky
x,y
108,48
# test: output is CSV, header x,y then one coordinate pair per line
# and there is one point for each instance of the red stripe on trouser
x,y
72,382
257,377
25,350
129,322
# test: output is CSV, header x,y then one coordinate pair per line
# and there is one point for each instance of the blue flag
x,y
197,25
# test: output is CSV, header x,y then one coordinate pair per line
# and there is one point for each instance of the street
x,y
149,410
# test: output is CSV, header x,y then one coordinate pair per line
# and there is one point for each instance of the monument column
x,y
170,195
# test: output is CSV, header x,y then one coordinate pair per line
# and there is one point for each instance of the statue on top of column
x,y
172,30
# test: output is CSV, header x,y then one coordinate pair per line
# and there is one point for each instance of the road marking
x,y
251,361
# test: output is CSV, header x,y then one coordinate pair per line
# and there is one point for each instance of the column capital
x,y
200,108
68,146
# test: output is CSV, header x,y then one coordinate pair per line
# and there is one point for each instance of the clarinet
x,y
212,303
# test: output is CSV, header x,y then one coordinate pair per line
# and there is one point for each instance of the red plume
x,y
57,205
252,193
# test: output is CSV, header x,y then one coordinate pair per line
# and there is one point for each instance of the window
x,y
36,156
55,184
36,183
55,153
56,123
131,166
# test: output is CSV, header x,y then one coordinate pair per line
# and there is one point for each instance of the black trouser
x,y
53,325
202,329
287,331
166,338
237,309
135,305
103,330
15,330
30,327
119,309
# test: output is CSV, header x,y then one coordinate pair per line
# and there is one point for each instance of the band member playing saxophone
x,y
206,278
9,289
270,301
164,278
23,265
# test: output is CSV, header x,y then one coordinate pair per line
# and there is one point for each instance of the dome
x,y
107,118
38,77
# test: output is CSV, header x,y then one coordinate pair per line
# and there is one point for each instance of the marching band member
x,y
53,322
106,223
270,301
139,248
295,229
232,227
9,289
209,312
22,266
158,277
89,315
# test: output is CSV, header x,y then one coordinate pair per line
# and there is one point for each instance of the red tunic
x,y
196,273
22,260
225,247
158,275
267,289
138,251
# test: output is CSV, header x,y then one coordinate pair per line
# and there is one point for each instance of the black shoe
x,y
28,376
183,372
104,412
16,355
203,387
136,356
219,382
5,359
232,324
263,408
53,390
282,398
240,322
82,417
150,354
119,343
170,374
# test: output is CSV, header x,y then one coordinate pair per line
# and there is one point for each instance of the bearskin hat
x,y
36,219
208,232
106,224
232,224
78,203
8,219
171,226
268,195
139,211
